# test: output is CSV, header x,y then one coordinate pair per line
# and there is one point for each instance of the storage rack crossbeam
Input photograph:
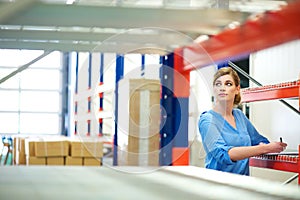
x,y
271,92
289,162
283,161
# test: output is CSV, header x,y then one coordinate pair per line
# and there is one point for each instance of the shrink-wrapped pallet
x,y
138,122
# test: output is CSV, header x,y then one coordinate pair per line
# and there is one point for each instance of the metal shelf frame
x,y
238,42
280,162
247,38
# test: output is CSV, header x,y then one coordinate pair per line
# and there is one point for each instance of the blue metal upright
x,y
76,71
167,103
119,76
76,90
181,151
101,69
90,71
174,117
143,65
89,99
101,79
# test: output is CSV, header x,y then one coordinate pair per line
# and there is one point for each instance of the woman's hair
x,y
229,71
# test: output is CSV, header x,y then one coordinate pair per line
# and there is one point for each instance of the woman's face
x,y
225,89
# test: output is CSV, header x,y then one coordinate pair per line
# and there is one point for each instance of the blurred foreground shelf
x,y
173,182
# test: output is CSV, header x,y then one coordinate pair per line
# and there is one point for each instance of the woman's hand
x,y
274,147
239,153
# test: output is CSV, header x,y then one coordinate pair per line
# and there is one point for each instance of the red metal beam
x,y
267,30
270,92
180,156
277,165
181,79
283,162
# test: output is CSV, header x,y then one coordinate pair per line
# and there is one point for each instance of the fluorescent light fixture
x,y
201,38
70,1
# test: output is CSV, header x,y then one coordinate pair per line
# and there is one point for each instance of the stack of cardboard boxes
x,y
57,150
85,153
46,151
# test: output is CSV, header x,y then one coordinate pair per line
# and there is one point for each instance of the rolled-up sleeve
x,y
213,142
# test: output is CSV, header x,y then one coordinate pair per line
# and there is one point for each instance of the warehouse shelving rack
x,y
227,45
283,161
235,43
89,97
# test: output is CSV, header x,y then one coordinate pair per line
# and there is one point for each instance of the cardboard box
x,y
73,161
21,158
86,149
143,151
92,161
36,161
30,147
15,150
21,144
55,160
19,155
51,148
139,122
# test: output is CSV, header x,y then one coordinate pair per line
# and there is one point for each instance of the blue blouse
x,y
218,136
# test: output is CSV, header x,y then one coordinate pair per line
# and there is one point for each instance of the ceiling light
x,y
201,38
70,1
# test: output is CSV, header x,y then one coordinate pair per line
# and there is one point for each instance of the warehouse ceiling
x,y
121,26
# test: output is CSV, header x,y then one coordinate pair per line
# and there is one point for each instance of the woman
x,y
228,137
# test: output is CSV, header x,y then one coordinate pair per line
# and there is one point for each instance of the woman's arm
x,y
240,153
